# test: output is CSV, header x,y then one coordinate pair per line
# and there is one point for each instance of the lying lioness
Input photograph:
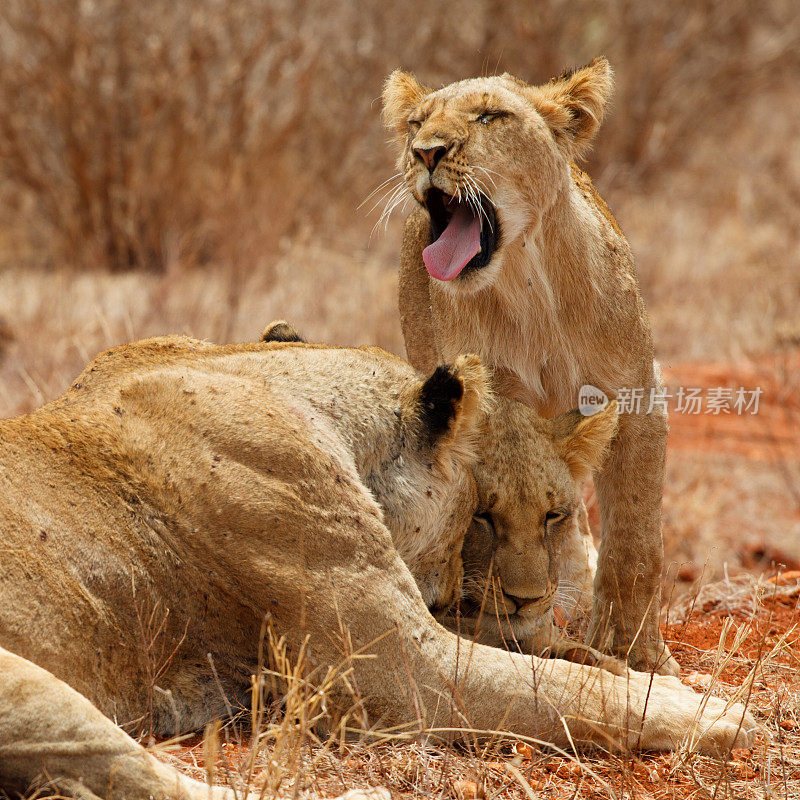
x,y
231,484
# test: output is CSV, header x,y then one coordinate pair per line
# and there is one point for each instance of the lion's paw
x,y
677,716
654,658
721,727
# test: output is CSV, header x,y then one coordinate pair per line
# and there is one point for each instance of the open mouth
x,y
465,234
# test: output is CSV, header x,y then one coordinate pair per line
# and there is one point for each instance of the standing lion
x,y
512,254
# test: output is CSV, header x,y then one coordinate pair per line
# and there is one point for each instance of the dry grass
x,y
58,320
168,135
131,135
734,640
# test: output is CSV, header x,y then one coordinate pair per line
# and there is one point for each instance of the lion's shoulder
x,y
141,356
593,197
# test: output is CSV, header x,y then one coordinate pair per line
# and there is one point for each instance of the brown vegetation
x,y
166,135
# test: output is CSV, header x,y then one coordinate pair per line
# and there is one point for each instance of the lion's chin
x,y
487,629
474,281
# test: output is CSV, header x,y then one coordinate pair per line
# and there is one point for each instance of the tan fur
x,y
519,479
231,484
557,306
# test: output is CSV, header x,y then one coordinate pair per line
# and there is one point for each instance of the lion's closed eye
x,y
556,517
485,117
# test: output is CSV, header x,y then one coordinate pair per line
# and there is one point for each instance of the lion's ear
x,y
401,94
281,331
573,104
583,442
452,402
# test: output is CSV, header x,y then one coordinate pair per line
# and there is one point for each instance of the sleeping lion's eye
x,y
554,516
414,125
484,519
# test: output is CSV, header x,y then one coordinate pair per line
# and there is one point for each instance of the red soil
x,y
771,434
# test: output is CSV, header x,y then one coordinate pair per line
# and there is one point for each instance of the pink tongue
x,y
452,251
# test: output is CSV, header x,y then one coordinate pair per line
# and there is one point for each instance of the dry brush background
x,y
198,167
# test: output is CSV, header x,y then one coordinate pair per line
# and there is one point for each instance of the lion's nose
x,y
430,156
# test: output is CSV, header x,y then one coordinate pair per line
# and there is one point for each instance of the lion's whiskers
x,y
489,173
568,594
474,199
388,193
378,188
470,199
480,184
400,194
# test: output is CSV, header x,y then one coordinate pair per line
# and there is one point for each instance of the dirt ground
x,y
732,490
771,435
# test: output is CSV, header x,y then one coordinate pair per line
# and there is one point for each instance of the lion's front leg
x,y
411,674
627,592
449,684
645,711
414,297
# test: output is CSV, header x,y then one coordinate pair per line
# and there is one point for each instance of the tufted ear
x,y
401,94
583,442
452,402
281,331
574,103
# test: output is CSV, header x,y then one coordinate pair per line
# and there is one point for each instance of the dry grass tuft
x,y
135,135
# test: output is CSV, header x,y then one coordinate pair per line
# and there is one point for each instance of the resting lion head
x,y
518,473
519,554
486,157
